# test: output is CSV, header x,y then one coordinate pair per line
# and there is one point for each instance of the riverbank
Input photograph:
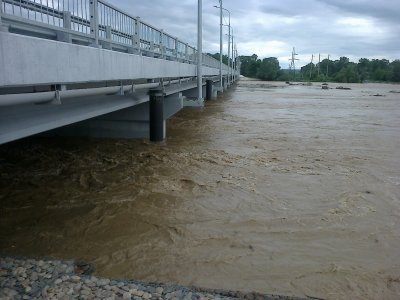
x,y
25,278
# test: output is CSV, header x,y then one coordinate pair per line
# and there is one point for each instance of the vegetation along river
x,y
273,188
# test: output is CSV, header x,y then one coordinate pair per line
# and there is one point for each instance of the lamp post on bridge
x,y
200,51
229,52
236,62
229,41
232,58
231,61
220,45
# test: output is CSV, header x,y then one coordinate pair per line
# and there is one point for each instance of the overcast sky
x,y
352,28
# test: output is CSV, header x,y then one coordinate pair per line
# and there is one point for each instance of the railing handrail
x,y
124,29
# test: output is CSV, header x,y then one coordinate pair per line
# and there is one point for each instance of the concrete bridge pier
x,y
156,117
209,89
146,120
224,85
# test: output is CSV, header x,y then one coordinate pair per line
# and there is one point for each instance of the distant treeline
x,y
341,70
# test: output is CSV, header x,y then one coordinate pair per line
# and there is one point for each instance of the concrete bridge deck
x,y
93,66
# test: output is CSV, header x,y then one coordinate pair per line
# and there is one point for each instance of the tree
x,y
268,69
309,69
363,69
347,74
341,70
395,68
249,65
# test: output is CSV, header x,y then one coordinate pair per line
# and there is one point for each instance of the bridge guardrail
x,y
97,23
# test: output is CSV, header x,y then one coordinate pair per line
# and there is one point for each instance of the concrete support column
x,y
157,122
209,89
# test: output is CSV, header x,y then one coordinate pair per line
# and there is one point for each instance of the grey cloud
x,y
387,10
310,25
291,8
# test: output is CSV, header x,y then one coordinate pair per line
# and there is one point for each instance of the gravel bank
x,y
53,279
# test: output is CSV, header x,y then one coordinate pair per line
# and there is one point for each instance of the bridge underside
x,y
113,115
87,91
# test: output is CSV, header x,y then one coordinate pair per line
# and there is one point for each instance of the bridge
x,y
87,68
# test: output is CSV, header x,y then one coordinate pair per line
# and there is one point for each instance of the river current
x,y
278,189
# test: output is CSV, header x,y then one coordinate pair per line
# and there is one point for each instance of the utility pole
x,y
230,62
229,46
311,65
220,45
237,65
232,71
230,59
292,63
327,68
200,50
319,63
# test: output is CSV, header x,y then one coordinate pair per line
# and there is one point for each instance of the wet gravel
x,y
25,278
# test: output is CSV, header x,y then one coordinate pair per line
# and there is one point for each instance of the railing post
x,y
136,36
1,10
94,21
3,27
108,33
108,45
162,50
67,19
176,48
65,36
152,47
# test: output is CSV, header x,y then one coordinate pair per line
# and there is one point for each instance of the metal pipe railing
x,y
26,98
104,24
44,97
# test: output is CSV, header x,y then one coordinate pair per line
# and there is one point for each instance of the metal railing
x,y
96,23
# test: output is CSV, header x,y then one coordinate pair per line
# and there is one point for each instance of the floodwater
x,y
278,189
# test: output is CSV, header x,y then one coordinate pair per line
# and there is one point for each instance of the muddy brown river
x,y
278,189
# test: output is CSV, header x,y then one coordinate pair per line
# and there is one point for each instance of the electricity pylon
x,y
327,67
311,64
292,63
